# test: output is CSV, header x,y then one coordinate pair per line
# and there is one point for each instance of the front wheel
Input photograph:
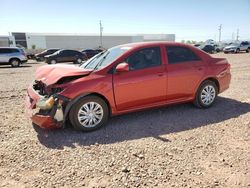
x,y
206,94
247,51
89,113
237,50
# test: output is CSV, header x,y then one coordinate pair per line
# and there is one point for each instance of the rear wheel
x,y
206,94
89,113
15,62
53,61
78,61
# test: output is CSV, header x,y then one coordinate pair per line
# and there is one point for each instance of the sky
x,y
187,19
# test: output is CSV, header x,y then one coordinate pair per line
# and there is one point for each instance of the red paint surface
x,y
140,89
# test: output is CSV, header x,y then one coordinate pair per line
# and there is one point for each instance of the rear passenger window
x,y
14,51
1,51
177,54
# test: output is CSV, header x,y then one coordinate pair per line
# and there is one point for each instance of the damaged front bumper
x,y
45,112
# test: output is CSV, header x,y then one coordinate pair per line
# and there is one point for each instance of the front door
x,y
144,84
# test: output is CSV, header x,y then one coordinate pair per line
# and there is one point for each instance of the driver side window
x,y
145,58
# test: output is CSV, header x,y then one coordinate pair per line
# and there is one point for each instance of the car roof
x,y
152,43
10,47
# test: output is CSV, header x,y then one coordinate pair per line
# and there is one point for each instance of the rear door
x,y
185,70
2,57
64,56
144,84
73,55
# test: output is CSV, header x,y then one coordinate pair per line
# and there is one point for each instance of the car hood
x,y
231,46
39,54
48,56
50,74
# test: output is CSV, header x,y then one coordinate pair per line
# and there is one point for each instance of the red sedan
x,y
123,79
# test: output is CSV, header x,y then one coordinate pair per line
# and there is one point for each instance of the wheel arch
x,y
76,99
213,80
12,58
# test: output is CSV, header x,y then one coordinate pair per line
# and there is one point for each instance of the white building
x,y
76,41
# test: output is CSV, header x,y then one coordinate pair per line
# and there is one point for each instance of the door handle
x,y
160,73
200,68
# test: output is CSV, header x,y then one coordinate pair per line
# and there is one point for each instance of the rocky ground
x,y
176,146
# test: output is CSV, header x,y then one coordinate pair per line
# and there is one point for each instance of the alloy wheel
x,y
208,95
90,114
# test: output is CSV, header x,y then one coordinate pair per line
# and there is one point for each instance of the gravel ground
x,y
175,146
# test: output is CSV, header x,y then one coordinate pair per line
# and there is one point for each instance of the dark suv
x,y
12,56
207,48
40,56
65,56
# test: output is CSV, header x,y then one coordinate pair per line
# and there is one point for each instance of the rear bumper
x,y
224,81
46,121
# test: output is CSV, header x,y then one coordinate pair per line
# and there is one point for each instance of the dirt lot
x,y
176,146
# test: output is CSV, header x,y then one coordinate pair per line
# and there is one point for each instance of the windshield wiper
x,y
94,58
100,62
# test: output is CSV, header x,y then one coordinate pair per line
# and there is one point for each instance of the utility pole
x,y
232,36
237,37
101,30
220,32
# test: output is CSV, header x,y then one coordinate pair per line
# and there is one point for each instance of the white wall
x,y
37,40
82,42
92,41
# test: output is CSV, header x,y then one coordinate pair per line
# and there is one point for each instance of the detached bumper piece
x,y
45,122
47,113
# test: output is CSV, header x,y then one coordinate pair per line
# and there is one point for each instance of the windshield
x,y
234,44
105,58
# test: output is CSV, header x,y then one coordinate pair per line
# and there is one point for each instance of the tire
x,y
53,61
78,61
237,50
87,124
15,62
201,96
247,51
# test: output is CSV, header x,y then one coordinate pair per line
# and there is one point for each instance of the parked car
x,y
40,56
90,52
197,45
123,79
12,56
31,56
210,42
207,48
65,56
237,47
218,48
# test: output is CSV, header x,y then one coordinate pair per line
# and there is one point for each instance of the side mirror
x,y
122,67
